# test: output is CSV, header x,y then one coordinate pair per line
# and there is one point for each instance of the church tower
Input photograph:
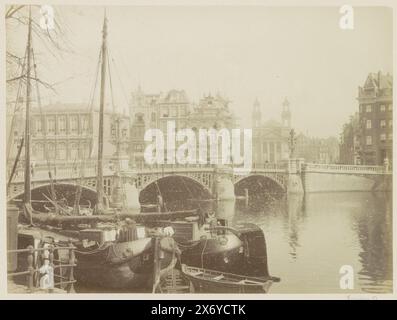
x,y
256,114
286,114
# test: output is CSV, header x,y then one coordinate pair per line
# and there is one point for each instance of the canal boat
x,y
212,244
112,250
212,281
125,262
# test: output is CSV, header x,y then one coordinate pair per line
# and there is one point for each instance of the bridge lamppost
x,y
292,143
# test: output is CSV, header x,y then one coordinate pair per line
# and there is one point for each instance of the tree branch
x,y
12,10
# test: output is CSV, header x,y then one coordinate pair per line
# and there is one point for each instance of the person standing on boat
x,y
32,165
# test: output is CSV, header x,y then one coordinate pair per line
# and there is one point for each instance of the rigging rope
x,y
84,147
53,194
119,78
15,109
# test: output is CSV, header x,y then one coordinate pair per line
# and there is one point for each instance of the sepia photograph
x,y
198,149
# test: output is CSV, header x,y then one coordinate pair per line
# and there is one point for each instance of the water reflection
x,y
374,227
309,238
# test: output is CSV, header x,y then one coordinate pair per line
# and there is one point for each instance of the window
x,y
84,124
51,125
84,151
61,151
39,126
74,151
390,123
51,151
153,117
182,111
39,151
74,124
174,111
382,108
383,137
369,124
368,108
390,107
62,125
390,136
383,123
369,140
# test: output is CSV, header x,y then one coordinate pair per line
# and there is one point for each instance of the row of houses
x,y
367,138
69,132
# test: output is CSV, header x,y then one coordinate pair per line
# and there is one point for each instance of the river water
x,y
310,237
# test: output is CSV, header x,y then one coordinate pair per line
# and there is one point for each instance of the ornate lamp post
x,y
292,143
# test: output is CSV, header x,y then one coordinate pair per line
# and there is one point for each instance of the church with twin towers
x,y
270,137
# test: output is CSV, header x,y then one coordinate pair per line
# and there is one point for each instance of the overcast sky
x,y
242,52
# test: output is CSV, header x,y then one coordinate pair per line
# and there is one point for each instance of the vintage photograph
x,y
199,149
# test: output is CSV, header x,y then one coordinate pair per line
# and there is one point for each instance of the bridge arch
x,y
62,189
261,181
186,185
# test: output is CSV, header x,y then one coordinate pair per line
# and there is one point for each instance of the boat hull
x,y
212,281
241,252
201,286
227,256
123,265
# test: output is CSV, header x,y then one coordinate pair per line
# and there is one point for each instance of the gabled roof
x,y
376,85
174,95
379,80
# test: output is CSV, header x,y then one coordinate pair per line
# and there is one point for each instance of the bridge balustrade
x,y
318,167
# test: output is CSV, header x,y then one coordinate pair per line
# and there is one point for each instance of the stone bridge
x,y
292,176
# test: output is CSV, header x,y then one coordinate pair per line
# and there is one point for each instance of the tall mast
x,y
27,190
100,192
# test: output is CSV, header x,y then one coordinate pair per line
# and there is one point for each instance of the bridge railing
x,y
200,167
165,166
317,167
72,170
59,172
271,166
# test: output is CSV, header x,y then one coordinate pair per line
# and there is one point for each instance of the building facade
x,y
137,142
212,111
155,111
67,133
349,147
317,150
375,99
270,138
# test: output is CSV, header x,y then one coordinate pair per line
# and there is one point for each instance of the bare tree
x,y
54,40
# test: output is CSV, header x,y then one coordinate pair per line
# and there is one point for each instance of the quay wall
x,y
331,182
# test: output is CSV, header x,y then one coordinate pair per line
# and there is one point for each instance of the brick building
x,y
376,119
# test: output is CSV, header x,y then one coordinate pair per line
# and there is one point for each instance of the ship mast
x,y
100,191
27,187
